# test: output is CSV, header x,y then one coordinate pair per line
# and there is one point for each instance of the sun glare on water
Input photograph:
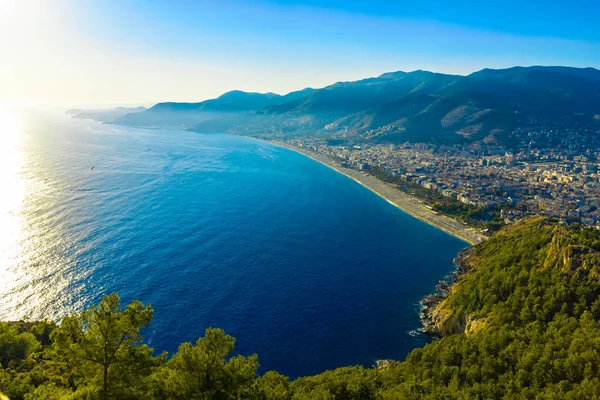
x,y
12,194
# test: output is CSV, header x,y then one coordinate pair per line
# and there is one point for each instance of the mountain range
x,y
418,106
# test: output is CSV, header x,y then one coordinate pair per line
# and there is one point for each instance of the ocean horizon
x,y
304,266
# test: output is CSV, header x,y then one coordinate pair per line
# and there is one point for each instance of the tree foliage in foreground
x,y
104,349
530,304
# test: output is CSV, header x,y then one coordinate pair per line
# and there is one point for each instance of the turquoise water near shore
x,y
302,265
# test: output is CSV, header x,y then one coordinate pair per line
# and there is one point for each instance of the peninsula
x,y
396,197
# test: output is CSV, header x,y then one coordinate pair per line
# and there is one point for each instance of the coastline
x,y
395,197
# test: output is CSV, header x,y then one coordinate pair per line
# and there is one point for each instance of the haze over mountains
x,y
417,106
104,115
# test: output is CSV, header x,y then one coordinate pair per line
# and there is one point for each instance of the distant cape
x,y
105,115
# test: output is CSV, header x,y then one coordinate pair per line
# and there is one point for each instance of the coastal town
x,y
552,172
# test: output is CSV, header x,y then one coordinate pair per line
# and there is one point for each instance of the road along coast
x,y
391,194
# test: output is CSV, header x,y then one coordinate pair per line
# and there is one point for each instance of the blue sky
x,y
134,51
568,19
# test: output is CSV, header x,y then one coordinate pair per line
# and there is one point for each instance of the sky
x,y
147,51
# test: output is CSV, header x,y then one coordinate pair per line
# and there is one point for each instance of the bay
x,y
302,265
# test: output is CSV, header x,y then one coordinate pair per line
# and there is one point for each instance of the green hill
x,y
522,321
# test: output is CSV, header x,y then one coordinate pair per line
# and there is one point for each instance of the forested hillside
x,y
522,323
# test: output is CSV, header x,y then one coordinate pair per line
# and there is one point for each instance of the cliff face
x,y
505,276
445,322
571,257
439,319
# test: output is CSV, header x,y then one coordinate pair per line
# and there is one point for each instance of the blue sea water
x,y
302,265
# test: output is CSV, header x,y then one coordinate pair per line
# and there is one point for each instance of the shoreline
x,y
394,196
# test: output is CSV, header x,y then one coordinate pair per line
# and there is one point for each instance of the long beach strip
x,y
388,192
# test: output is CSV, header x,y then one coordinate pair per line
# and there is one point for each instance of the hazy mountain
x,y
399,106
104,115
189,114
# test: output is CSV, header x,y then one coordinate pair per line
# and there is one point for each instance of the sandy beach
x,y
403,201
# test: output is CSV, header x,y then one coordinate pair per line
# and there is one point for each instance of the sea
x,y
302,265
